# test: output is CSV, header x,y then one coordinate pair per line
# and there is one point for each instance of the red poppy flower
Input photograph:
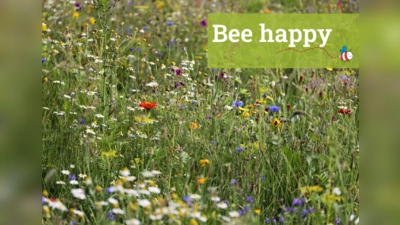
x,y
148,105
344,111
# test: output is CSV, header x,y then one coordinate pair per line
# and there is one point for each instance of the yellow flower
x,y
330,198
257,211
98,188
201,180
194,125
276,123
310,189
75,15
204,162
159,5
143,119
44,27
242,109
250,106
193,222
329,69
109,154
92,20
45,193
245,114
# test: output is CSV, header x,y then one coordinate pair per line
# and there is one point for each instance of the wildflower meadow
x,y
136,129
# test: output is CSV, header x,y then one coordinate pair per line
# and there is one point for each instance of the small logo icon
x,y
345,55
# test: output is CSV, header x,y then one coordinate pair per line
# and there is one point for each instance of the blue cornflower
x,y
273,108
236,104
72,177
266,220
304,213
81,121
110,216
250,199
239,149
337,220
233,182
170,23
43,60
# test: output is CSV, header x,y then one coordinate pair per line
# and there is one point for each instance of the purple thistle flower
x,y
203,23
178,72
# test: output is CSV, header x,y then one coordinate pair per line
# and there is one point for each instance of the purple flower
x,y
109,190
145,28
212,142
110,216
78,5
239,149
73,222
273,108
43,200
208,117
304,213
281,220
237,104
81,121
245,208
266,220
273,220
170,23
43,60
250,199
296,202
241,212
290,209
337,220
186,198
178,72
311,209
302,201
203,23
262,177
72,177
233,182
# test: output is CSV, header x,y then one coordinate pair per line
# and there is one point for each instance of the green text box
x,y
249,52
